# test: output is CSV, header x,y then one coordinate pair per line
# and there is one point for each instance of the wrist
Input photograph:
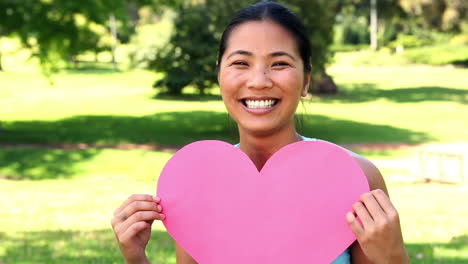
x,y
402,258
142,260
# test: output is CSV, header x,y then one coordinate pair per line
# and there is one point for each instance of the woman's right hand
x,y
132,225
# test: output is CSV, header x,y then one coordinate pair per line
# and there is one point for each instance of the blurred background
x,y
95,97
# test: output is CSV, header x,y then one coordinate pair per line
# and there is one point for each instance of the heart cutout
x,y
221,209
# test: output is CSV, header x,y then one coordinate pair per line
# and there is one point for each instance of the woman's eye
x,y
240,63
280,64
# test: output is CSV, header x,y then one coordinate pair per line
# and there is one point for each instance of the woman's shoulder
x,y
374,177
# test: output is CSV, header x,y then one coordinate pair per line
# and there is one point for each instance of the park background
x,y
95,97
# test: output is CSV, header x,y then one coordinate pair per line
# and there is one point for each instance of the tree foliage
x,y
353,21
57,30
190,58
442,15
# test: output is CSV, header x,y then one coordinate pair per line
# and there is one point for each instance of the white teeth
x,y
260,103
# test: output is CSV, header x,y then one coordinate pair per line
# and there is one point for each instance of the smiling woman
x,y
262,78
263,70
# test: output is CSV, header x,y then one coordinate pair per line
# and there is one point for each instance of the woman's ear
x,y
305,90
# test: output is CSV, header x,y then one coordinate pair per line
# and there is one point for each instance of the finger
x,y
145,216
118,219
373,207
384,202
136,206
133,230
354,224
157,199
363,214
387,206
132,198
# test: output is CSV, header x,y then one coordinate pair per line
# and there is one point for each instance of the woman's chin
x,y
260,129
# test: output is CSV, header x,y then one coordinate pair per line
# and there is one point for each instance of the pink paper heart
x,y
222,210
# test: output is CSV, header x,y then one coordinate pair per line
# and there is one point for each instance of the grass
x,y
59,221
56,204
376,104
57,218
435,55
439,55
50,164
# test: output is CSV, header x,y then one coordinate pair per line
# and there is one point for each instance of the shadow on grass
x,y
180,128
349,131
172,128
461,63
358,93
97,246
41,164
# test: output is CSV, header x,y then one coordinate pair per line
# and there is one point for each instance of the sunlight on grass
x,y
445,54
433,219
87,199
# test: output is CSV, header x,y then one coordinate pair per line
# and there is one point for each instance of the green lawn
x,y
436,55
56,204
376,104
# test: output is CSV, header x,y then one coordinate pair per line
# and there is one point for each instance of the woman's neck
x,y
259,148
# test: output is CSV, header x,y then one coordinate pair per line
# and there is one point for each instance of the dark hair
x,y
276,13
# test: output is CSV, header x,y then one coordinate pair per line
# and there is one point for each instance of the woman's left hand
x,y
378,229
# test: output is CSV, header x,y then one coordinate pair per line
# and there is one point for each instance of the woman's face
x,y
262,77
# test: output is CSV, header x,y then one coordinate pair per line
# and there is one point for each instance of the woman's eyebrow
x,y
248,53
282,53
241,52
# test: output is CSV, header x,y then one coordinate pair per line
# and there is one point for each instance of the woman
x,y
264,70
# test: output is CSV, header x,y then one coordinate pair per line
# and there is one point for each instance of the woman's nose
x,y
259,79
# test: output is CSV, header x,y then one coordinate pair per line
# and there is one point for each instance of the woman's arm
x,y
182,256
379,238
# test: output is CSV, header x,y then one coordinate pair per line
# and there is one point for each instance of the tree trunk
x,y
374,25
132,11
1,66
324,84
113,29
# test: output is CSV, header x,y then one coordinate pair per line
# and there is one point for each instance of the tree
x,y
320,28
1,65
357,21
56,30
442,15
374,25
190,57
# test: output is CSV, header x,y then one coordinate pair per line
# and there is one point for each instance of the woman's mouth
x,y
259,104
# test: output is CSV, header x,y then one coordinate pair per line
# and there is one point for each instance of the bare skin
x,y
132,225
261,62
379,239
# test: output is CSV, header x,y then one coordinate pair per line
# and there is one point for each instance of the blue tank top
x,y
345,257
